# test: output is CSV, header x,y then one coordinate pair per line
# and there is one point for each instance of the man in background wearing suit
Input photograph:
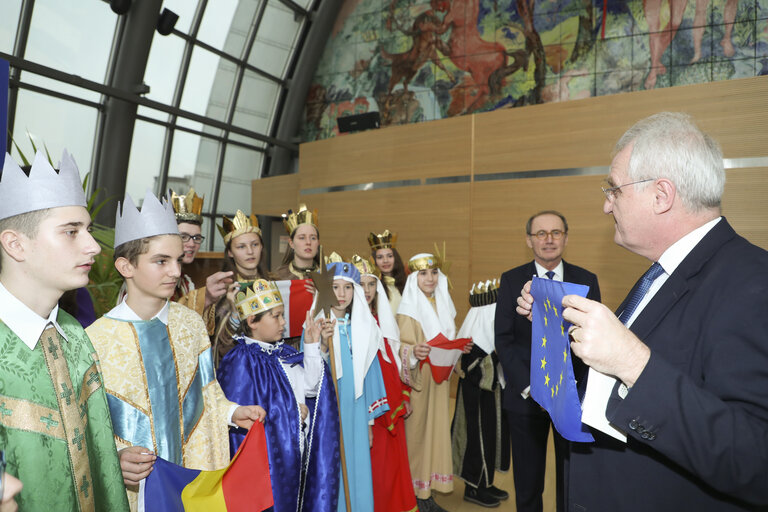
x,y
529,424
687,358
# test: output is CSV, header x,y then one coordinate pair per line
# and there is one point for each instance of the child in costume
x,y
390,264
188,209
479,431
261,368
426,312
243,250
156,357
392,484
361,392
55,428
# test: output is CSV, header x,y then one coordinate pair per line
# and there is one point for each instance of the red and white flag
x,y
444,355
297,301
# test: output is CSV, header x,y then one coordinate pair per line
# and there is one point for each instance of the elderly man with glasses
x,y
547,236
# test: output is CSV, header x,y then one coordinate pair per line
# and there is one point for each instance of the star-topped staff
x,y
326,300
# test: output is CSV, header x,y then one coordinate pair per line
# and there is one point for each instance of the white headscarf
x,y
417,306
387,322
479,326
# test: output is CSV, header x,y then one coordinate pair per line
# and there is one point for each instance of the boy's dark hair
x,y
133,249
25,223
245,329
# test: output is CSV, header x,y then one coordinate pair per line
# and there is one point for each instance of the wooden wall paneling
x,y
421,216
423,150
582,133
745,203
275,195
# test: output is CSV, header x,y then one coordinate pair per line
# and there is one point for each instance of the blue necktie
x,y
639,291
550,274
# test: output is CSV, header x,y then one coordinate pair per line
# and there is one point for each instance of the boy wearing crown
x,y
55,425
156,357
260,368
188,209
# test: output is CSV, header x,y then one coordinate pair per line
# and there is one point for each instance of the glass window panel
x,y
51,122
241,167
151,112
9,23
55,85
276,39
162,73
247,140
256,103
186,11
76,39
217,23
306,4
208,89
146,159
194,160
206,231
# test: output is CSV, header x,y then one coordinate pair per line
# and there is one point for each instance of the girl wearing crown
x,y
303,254
361,393
261,367
427,313
243,248
392,484
390,264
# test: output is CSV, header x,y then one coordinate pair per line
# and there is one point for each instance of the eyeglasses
x,y
198,239
610,192
556,234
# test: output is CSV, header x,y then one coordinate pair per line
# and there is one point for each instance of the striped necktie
x,y
639,291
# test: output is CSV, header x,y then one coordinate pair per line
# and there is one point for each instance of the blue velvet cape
x,y
250,375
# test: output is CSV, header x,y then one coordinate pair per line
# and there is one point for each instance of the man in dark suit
x,y
689,350
547,236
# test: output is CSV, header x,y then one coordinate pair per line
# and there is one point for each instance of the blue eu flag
x,y
553,385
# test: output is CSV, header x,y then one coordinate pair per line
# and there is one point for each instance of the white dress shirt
x,y
24,322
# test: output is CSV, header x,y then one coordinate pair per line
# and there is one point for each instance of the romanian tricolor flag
x,y
297,301
242,486
443,356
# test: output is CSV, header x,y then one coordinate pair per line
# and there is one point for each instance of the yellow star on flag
x,y
554,308
546,380
562,327
553,392
565,355
561,377
544,342
557,388
545,320
543,363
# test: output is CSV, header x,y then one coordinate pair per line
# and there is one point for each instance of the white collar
x,y
24,322
676,253
123,312
559,270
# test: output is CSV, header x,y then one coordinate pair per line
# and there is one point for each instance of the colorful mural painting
x,y
421,60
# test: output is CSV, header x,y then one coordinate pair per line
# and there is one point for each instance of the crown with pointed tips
x,y
366,266
385,240
155,218
261,296
189,207
293,220
239,225
483,293
43,188
424,261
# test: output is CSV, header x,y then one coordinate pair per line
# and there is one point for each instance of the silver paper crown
x,y
156,218
43,188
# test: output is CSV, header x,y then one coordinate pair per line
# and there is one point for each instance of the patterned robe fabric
x,y
55,425
194,298
161,389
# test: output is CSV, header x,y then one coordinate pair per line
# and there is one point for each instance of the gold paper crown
x,y
189,207
293,220
334,257
238,226
262,296
424,262
483,293
385,240
365,266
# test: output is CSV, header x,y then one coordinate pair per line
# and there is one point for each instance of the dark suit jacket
x,y
513,332
697,418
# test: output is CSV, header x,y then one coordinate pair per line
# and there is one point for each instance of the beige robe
x,y
428,428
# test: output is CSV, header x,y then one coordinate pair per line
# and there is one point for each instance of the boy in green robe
x,y
55,426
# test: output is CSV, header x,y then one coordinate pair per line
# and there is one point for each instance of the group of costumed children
x,y
167,398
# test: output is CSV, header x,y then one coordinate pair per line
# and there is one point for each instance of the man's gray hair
x,y
670,145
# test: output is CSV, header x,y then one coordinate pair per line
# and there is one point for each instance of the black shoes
x,y
499,494
429,505
482,496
